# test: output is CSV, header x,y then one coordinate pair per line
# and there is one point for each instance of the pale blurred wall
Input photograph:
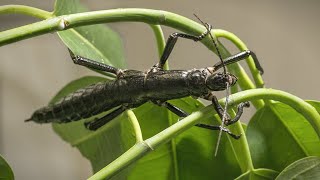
x,y
284,35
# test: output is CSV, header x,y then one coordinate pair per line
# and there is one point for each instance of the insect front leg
x,y
179,112
172,41
219,109
239,113
94,64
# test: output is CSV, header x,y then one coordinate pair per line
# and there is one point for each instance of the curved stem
x,y
164,136
302,107
242,47
244,81
27,10
127,158
243,156
160,41
136,126
161,45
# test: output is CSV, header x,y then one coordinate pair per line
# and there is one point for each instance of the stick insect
x,y
132,88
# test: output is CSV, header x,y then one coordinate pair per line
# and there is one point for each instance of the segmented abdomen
x,y
81,104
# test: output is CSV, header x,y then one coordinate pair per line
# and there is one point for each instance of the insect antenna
x,y
208,27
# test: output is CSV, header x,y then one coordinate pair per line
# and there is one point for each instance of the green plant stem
x,y
121,15
244,81
164,136
161,43
127,158
26,10
242,47
136,126
240,147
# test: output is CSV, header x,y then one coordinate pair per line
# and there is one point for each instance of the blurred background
x,y
284,35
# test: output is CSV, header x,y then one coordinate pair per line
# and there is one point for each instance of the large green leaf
x,y
307,169
97,42
278,136
5,170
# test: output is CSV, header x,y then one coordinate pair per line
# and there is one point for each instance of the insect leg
x,y
219,109
219,128
238,57
172,41
239,113
93,64
97,123
179,112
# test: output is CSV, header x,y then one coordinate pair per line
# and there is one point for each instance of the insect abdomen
x,y
81,104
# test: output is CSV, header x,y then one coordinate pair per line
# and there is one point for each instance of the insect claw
x,y
230,133
236,136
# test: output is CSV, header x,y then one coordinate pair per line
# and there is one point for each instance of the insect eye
x,y
232,79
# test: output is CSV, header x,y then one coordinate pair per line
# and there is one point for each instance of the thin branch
x,y
136,126
26,10
157,31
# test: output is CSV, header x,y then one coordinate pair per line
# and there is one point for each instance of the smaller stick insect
x,y
132,88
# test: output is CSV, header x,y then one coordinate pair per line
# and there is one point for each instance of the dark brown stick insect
x,y
132,88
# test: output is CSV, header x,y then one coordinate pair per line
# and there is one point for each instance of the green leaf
x,y
307,169
97,42
188,156
259,174
5,170
278,136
